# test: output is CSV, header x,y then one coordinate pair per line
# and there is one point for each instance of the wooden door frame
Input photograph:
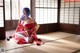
x,y
2,29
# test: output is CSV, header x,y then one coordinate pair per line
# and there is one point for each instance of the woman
x,y
26,30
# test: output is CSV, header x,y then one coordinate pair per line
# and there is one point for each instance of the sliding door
x,y
2,29
69,15
46,15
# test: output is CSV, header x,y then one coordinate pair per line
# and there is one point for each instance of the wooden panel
x,y
71,28
53,27
46,28
11,24
42,29
15,23
8,25
78,30
2,33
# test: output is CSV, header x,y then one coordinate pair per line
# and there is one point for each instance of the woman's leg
x,y
20,38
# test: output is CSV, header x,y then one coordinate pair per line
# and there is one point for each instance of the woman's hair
x,y
27,11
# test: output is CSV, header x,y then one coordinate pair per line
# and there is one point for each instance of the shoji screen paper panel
x,y
46,11
1,14
69,12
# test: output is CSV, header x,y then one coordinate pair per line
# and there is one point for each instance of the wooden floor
x,y
57,42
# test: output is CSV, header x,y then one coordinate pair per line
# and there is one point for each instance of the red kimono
x,y
23,37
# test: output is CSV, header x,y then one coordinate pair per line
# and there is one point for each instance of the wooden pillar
x,y
33,9
2,29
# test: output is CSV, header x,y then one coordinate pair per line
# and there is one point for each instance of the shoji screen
x,y
15,10
7,10
69,12
1,14
46,11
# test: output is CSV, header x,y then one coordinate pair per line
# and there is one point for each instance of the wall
x,y
69,16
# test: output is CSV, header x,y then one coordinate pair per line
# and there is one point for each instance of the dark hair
x,y
27,11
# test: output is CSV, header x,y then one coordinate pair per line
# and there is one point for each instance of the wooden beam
x,y
58,16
